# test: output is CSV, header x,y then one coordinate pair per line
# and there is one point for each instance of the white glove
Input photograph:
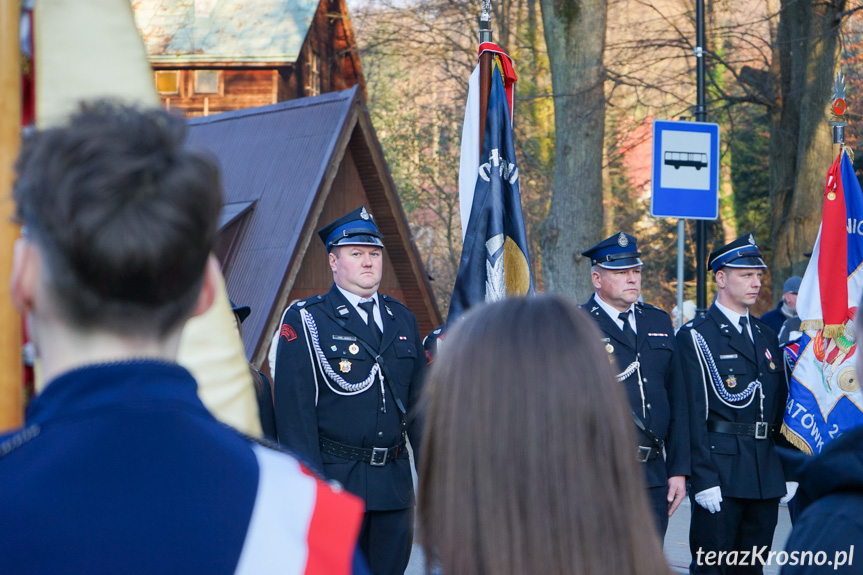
x,y
790,491
710,498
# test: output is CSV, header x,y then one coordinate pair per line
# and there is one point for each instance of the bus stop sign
x,y
685,182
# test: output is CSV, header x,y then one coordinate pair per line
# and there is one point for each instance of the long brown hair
x,y
528,462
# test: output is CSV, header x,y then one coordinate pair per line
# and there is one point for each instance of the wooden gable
x,y
288,170
221,55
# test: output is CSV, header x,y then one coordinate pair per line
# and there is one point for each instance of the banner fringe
x,y
811,325
834,331
795,440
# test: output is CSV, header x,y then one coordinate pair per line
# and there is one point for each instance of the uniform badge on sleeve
x,y
344,366
288,332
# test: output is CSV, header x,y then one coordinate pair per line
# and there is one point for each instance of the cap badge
x,y
751,240
622,240
344,366
364,214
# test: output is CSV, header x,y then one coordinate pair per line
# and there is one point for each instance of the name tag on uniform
x,y
657,335
730,356
344,338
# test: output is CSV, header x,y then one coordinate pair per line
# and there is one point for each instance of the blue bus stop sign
x,y
685,182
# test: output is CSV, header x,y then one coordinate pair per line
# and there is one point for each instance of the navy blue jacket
x,y
774,318
662,378
741,465
307,408
121,469
831,496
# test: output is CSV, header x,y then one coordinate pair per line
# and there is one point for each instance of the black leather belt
x,y
376,456
760,430
645,454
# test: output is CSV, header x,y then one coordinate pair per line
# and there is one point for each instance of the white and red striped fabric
x,y
300,524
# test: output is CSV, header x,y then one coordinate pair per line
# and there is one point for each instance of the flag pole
x,y
11,378
485,61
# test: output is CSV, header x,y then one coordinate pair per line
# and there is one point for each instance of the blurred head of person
x,y
118,222
528,462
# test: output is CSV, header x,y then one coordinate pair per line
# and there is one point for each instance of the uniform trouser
x,y
657,497
742,525
386,538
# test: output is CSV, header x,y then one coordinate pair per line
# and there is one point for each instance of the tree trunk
x,y
575,39
801,150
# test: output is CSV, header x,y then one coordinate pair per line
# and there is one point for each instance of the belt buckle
x,y
761,430
379,456
643,455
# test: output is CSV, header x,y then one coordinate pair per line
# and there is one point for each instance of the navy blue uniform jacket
x,y
664,389
307,408
741,465
831,496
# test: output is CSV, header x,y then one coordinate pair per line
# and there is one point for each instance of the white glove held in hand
x,y
790,491
710,498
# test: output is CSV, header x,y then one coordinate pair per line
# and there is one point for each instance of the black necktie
x,y
744,331
627,329
368,307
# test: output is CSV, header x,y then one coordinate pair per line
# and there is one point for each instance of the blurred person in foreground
x,y
527,458
120,468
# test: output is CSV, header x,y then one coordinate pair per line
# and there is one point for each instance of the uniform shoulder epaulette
x,y
695,322
650,307
391,299
314,300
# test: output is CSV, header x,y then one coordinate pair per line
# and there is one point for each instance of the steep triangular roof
x,y
285,158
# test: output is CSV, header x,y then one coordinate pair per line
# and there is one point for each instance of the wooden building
x,y
213,56
288,170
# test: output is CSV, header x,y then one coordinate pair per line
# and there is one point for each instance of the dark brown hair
x,y
528,462
124,215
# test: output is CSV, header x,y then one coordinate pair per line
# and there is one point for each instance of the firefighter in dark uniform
x,y
349,370
734,373
640,338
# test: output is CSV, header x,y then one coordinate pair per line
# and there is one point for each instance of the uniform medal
x,y
731,382
354,348
344,366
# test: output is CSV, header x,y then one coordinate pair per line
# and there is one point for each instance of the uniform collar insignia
x,y
343,310
389,311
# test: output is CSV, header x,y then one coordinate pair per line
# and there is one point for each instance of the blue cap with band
x,y
355,228
618,252
741,253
